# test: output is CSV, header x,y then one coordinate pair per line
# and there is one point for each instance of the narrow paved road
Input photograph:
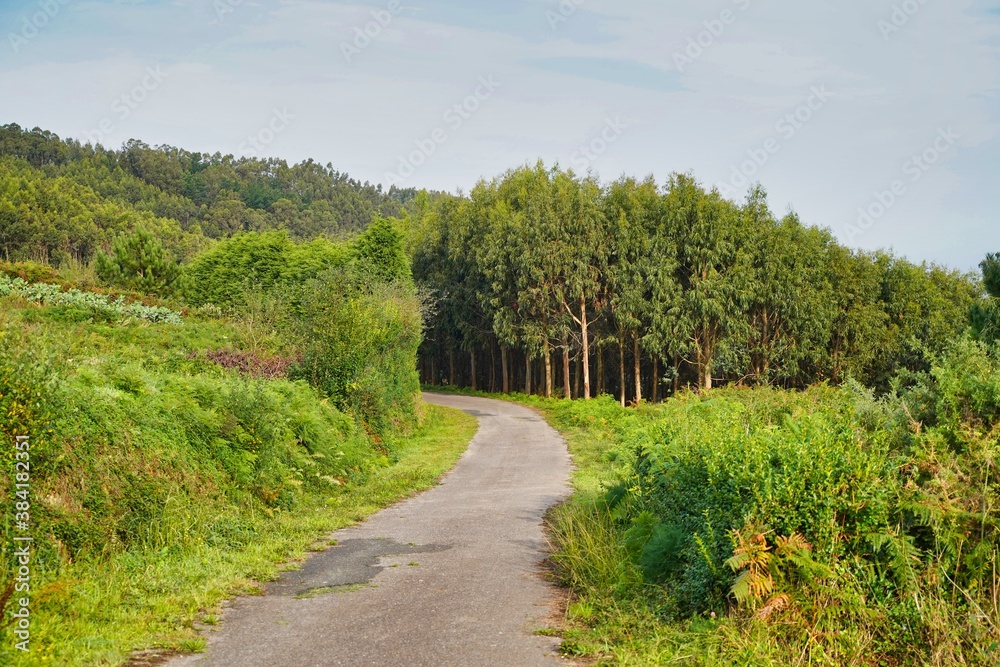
x,y
450,577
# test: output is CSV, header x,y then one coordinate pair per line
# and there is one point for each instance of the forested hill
x,y
61,200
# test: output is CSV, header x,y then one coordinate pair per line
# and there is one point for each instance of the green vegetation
x,y
61,202
986,312
138,262
198,411
558,284
765,527
163,483
223,274
360,338
215,360
84,305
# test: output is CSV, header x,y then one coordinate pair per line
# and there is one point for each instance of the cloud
x,y
619,72
561,83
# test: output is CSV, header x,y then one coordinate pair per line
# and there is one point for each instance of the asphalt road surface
x,y
450,577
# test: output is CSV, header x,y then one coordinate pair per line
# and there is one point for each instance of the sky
x,y
878,119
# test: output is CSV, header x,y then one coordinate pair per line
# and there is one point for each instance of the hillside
x,y
61,201
183,430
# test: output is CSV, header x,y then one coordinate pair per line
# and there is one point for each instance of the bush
x,y
116,446
359,342
255,261
380,252
769,461
30,272
825,526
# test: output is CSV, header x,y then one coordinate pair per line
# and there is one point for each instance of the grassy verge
x,y
612,616
163,482
98,613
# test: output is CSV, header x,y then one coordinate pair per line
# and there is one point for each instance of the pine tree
x,y
138,262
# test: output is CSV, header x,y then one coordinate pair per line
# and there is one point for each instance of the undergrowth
x,y
163,482
764,527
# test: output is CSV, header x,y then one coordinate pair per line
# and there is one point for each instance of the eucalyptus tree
x,y
516,211
543,257
467,283
578,243
542,260
859,328
925,308
641,287
712,272
429,240
789,300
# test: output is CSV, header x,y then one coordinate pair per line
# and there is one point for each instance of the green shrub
x,y
777,461
30,272
823,526
260,262
119,449
155,470
381,254
359,343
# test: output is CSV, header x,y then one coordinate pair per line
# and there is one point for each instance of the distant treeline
x,y
552,283
61,201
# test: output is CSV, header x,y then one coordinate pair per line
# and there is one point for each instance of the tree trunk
x,y
585,328
493,366
638,368
451,367
656,378
567,389
505,370
472,357
601,386
548,369
677,374
704,368
577,379
527,373
621,370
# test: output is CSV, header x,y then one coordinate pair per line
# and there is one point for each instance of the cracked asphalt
x,y
449,577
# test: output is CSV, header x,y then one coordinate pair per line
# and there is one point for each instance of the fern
x,y
776,604
753,558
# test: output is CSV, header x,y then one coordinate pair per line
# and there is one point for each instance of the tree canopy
x,y
62,201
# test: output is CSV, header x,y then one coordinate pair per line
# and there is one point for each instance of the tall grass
x,y
761,527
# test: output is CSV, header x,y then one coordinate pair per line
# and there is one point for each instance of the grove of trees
x,y
553,283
